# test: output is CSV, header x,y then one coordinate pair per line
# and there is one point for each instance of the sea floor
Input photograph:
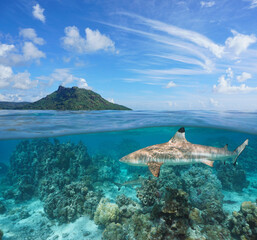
x,y
233,200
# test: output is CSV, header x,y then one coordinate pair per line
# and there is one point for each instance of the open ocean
x,y
61,177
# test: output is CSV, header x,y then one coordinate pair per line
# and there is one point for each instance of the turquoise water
x,y
61,177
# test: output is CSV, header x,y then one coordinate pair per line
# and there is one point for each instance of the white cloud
x,y
10,97
30,34
64,77
239,42
5,48
30,52
94,41
38,13
214,102
19,80
5,74
244,77
171,84
110,100
22,81
82,83
207,4
225,85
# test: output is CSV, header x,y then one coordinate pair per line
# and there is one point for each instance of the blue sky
x,y
156,55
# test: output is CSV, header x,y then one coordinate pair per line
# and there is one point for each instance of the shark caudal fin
x,y
239,150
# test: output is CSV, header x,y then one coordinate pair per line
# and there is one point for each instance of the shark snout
x,y
124,160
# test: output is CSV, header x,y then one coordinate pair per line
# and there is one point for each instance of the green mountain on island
x,y
67,99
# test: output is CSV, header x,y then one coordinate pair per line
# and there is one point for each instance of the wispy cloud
x,y
253,3
207,4
170,84
187,53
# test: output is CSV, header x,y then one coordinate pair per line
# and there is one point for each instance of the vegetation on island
x,y
67,99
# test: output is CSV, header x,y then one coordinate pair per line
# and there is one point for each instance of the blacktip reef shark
x,y
178,151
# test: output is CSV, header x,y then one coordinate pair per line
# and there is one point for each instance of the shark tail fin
x,y
239,150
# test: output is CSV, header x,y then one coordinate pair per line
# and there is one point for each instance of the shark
x,y
178,151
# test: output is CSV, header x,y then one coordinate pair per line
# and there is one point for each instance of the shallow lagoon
x,y
71,184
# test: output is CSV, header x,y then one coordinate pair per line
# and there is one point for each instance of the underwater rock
x,y
2,207
1,234
243,224
114,231
148,193
233,178
106,212
204,190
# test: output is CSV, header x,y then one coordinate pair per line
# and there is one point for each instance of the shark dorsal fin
x,y
226,147
179,136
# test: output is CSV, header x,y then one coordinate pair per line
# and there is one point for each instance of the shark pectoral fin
x,y
207,162
154,167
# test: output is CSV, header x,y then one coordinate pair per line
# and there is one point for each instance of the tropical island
x,y
63,98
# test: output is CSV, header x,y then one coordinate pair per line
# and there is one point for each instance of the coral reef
x,y
114,231
243,224
68,204
2,207
57,173
106,212
3,168
232,178
175,211
204,191
38,160
148,193
91,202
127,207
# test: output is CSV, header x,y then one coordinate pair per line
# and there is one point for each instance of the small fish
x,y
133,182
178,151
229,202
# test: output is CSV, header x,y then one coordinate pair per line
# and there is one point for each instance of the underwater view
x,y
61,177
